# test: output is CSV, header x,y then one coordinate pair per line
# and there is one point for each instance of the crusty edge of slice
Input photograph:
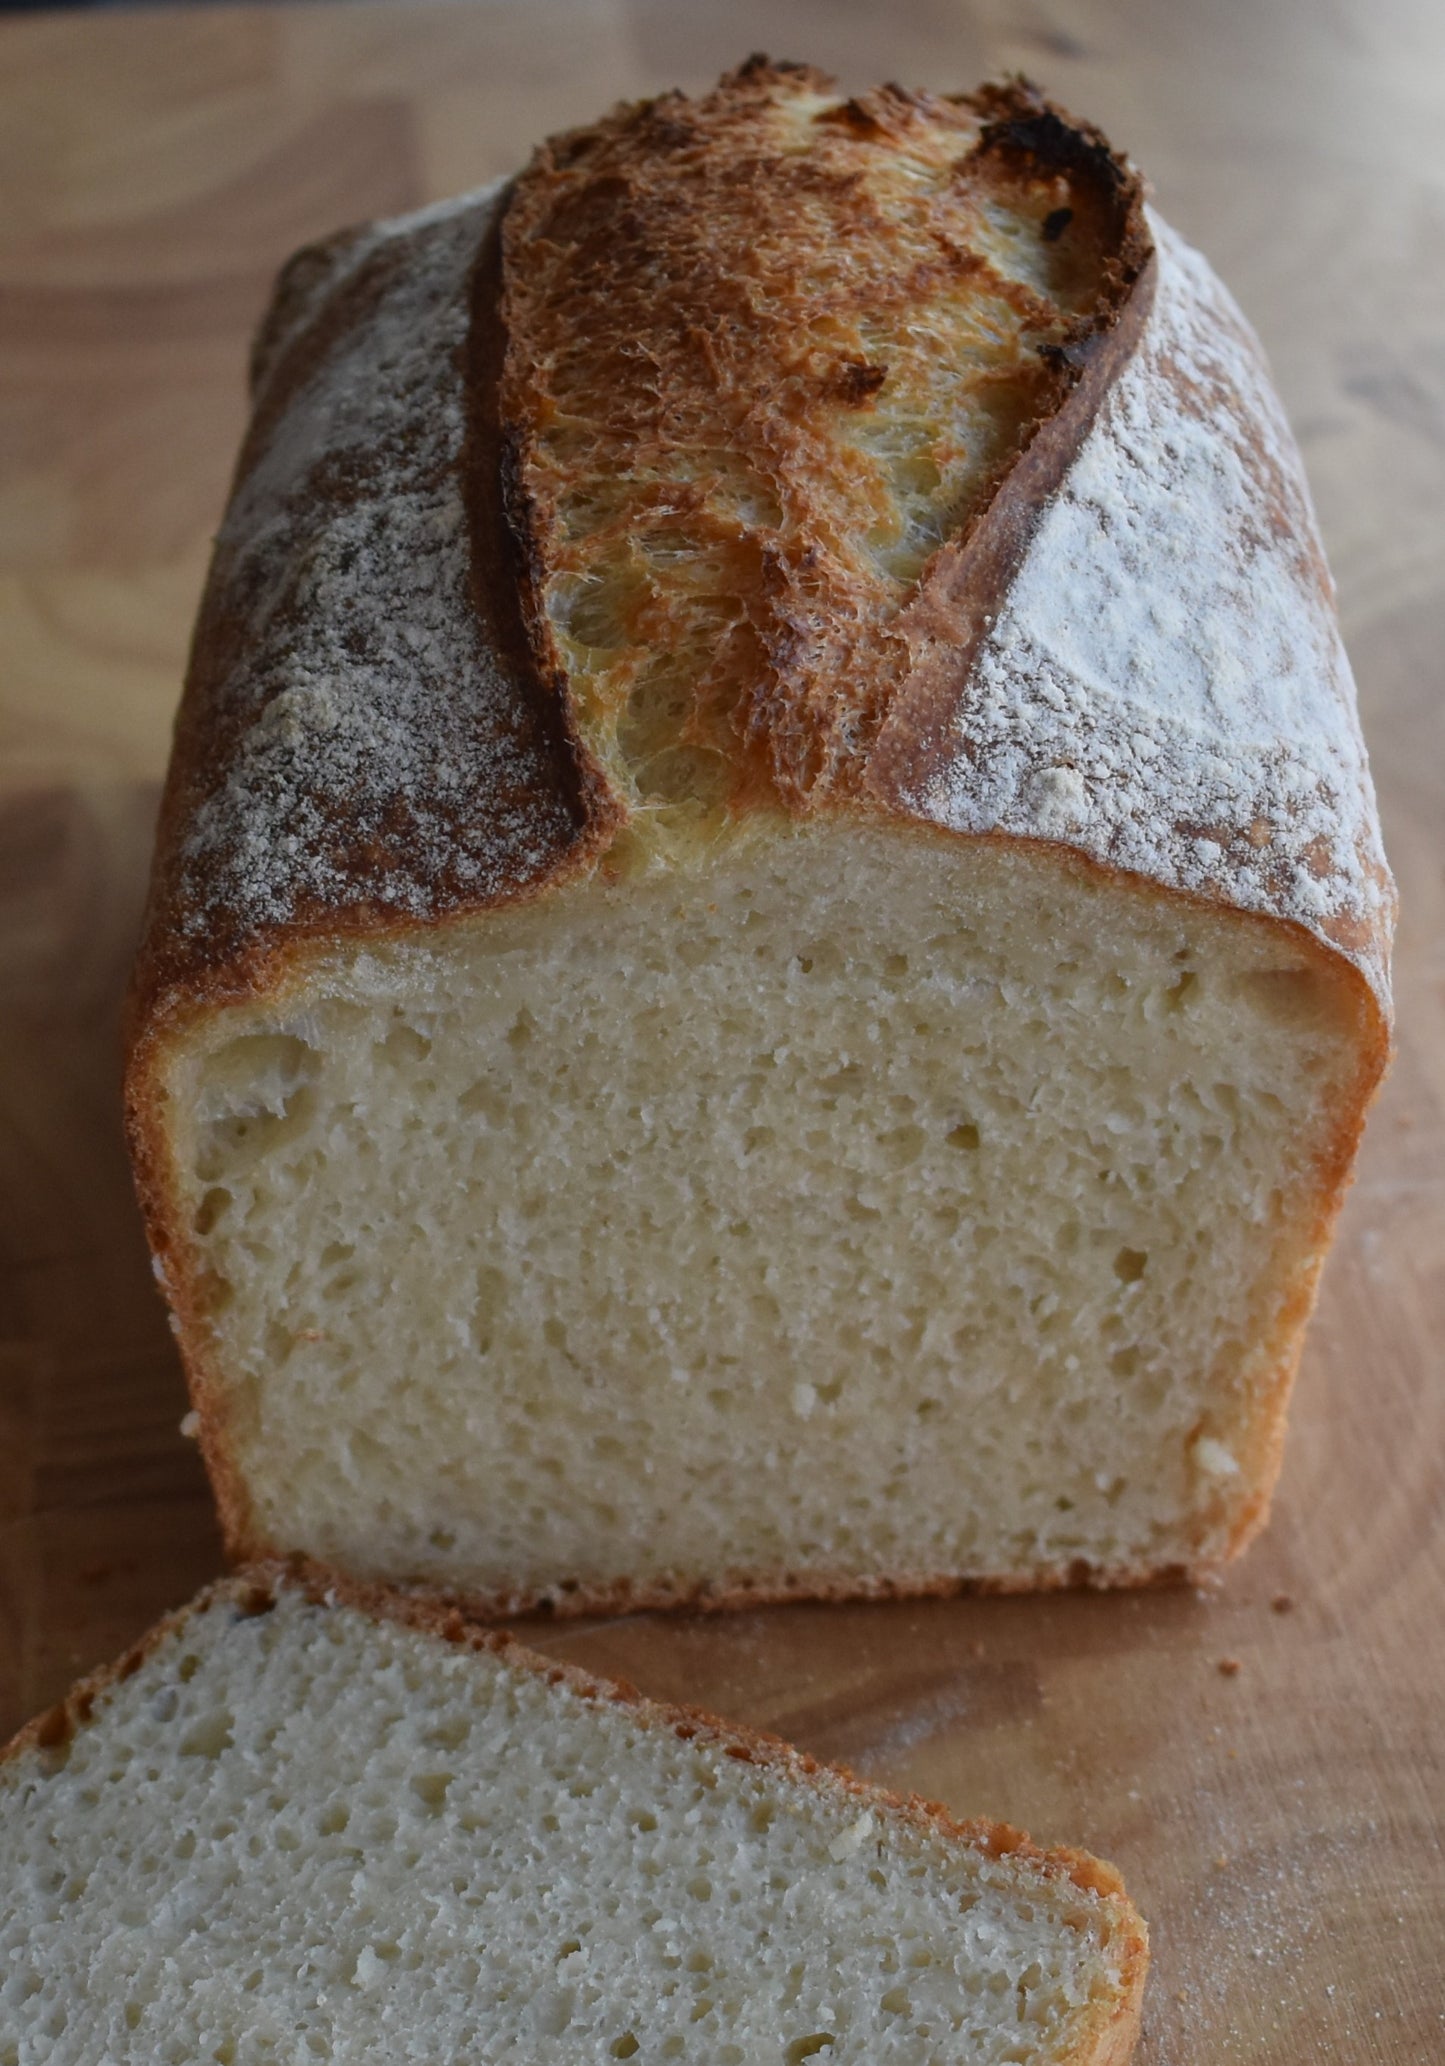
x,y
1109,2031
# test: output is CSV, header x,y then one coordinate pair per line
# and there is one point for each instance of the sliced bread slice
x,y
307,1821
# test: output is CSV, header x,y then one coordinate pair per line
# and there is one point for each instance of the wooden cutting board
x,y
1279,1823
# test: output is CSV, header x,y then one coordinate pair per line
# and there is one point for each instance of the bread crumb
x,y
1214,1459
1282,1603
852,1838
370,1970
1229,1666
191,1426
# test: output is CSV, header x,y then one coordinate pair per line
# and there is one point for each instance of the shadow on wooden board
x,y
105,1517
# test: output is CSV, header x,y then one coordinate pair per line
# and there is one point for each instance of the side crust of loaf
x,y
1108,2041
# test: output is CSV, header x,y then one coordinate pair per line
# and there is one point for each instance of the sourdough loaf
x,y
303,1821
769,937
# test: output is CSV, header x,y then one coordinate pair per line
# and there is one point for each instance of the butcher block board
x,y
1265,1762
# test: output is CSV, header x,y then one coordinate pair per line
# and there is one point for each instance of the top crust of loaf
x,y
766,352
1128,649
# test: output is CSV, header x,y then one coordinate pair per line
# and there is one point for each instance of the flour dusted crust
x,y
1129,653
360,741
1163,687
1108,2037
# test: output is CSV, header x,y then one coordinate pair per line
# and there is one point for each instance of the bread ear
x,y
822,337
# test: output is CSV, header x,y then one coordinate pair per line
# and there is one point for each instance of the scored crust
x,y
1129,656
1109,2037
375,733
765,350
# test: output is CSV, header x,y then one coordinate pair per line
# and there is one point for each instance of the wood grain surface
x,y
1279,1823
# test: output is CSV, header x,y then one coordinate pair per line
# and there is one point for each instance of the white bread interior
x,y
851,1208
308,1833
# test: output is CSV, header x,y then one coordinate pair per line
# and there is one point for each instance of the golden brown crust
x,y
1108,2037
500,572
755,341
946,620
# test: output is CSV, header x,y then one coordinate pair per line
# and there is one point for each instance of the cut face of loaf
x,y
851,1213
296,1825
769,938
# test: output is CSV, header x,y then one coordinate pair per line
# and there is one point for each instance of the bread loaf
x,y
306,1822
769,937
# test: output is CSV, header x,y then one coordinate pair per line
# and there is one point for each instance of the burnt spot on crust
x,y
854,115
55,1727
1040,135
761,70
856,382
1074,353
